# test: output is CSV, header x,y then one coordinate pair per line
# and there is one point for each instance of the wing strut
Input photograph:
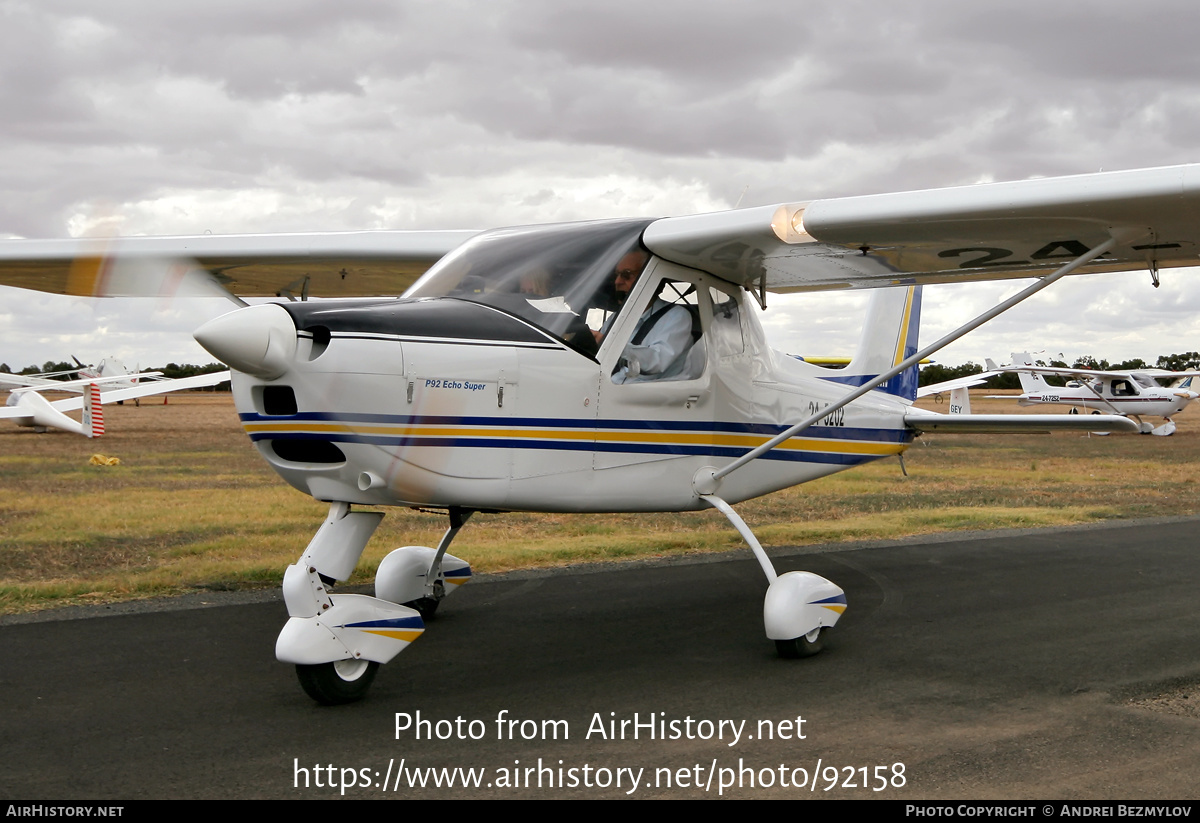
x,y
1104,400
706,481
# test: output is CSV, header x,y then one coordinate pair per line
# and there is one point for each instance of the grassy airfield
x,y
191,505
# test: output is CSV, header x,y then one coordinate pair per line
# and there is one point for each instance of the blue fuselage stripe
x,y
591,424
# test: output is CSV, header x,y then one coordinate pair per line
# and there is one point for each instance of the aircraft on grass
x,y
109,371
1132,394
107,382
608,366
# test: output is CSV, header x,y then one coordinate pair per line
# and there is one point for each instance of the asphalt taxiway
x,y
1060,663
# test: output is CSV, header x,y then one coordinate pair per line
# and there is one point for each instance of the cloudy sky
x,y
225,117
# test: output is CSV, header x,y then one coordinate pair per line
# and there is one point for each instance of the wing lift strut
x,y
799,605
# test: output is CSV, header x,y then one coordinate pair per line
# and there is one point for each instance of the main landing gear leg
x,y
420,577
799,606
338,641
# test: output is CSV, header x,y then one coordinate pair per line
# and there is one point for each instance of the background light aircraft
x,y
110,371
489,385
107,382
1134,394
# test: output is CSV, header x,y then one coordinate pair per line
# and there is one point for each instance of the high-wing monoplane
x,y
1135,394
609,366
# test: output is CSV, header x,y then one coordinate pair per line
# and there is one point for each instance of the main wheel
x,y
426,606
342,681
806,645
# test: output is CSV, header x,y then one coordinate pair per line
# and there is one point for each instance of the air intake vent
x,y
308,451
278,400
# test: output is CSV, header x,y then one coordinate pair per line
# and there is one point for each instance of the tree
x,y
1089,362
1133,364
1187,361
937,373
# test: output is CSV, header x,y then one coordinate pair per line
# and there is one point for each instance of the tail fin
x,y
93,412
960,401
1030,381
888,337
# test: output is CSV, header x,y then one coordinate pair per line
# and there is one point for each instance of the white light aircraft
x,y
110,371
107,382
513,376
1134,394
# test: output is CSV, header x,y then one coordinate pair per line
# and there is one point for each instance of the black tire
x,y
806,645
343,681
427,606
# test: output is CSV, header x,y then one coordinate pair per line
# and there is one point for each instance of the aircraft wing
x,y
956,383
26,381
985,232
80,384
1068,372
329,264
1164,374
927,421
1086,373
148,389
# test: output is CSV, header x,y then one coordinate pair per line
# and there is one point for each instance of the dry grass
x,y
192,505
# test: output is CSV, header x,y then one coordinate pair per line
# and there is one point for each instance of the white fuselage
x,y
448,403
1127,396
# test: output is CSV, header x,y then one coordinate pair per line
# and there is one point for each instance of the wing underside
x,y
924,421
984,232
340,264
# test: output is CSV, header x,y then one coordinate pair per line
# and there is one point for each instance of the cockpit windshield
x,y
552,276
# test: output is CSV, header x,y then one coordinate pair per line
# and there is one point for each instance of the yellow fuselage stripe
x,y
747,441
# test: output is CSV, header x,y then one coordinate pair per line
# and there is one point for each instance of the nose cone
x,y
257,340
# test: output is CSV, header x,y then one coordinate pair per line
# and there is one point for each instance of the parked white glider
x,y
534,369
27,407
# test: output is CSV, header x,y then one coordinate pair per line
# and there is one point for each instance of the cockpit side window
x,y
726,328
667,342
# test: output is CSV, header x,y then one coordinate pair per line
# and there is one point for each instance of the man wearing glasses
x,y
664,333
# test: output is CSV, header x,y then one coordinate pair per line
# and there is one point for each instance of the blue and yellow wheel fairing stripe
x,y
397,628
837,603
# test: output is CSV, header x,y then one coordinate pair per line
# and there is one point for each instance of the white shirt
x,y
660,354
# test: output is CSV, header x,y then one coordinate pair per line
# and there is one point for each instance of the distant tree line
x,y
937,373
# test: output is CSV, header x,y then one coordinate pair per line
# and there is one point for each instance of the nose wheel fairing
x,y
324,628
337,641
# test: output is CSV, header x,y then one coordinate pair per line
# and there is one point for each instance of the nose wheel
x,y
342,681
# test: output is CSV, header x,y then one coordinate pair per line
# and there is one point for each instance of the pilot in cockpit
x,y
663,334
